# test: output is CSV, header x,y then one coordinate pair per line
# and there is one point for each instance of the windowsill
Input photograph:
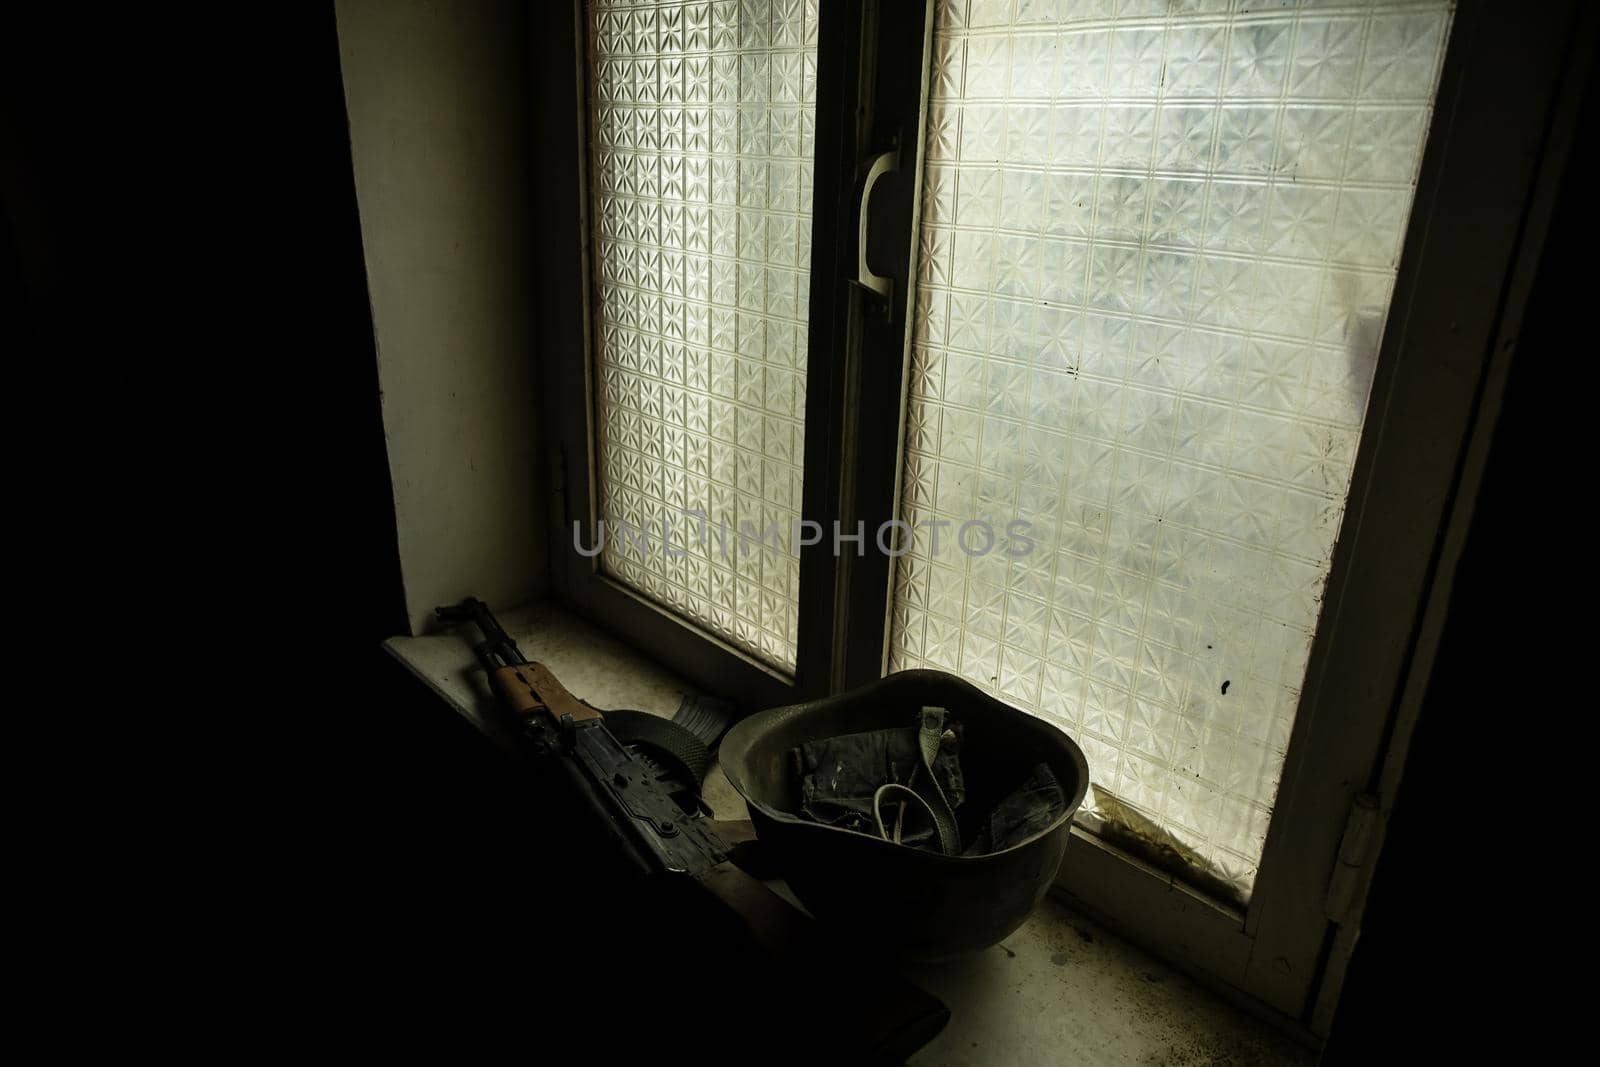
x,y
1013,1003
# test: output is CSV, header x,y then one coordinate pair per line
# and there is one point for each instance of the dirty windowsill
x,y
1060,990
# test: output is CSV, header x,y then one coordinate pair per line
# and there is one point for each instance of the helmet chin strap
x,y
930,799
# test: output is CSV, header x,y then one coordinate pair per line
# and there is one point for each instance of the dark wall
x,y
215,525
180,198
1449,961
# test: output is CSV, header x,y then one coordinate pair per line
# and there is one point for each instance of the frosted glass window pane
x,y
702,118
1157,250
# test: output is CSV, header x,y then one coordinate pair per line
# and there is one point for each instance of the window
x,y
702,120
1162,316
1155,262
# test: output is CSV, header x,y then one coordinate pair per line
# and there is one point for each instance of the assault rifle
x,y
860,1010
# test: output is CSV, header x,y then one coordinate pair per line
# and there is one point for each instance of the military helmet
x,y
909,903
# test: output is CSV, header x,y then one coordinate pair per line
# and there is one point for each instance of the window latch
x,y
886,163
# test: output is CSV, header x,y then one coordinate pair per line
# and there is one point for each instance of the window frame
x,y
1470,246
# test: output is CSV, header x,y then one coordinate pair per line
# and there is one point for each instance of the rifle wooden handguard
x,y
529,688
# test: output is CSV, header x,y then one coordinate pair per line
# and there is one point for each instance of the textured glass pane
x,y
1157,250
702,119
